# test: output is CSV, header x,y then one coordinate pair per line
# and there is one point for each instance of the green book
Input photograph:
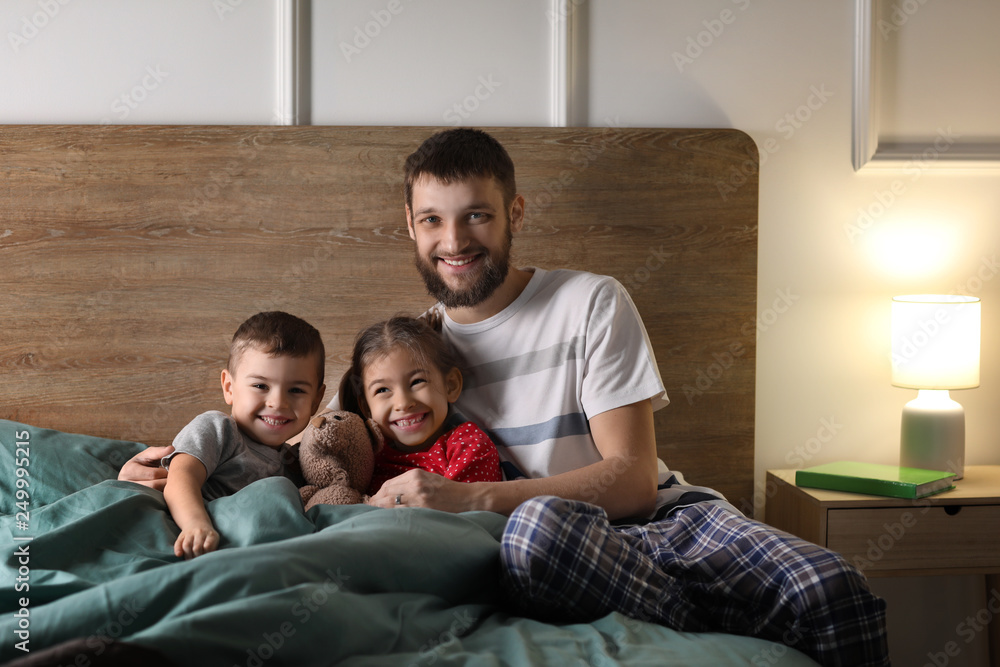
x,y
875,479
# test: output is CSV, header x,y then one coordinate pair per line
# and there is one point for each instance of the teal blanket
x,y
86,556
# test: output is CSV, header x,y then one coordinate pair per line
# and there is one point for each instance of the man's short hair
x,y
457,155
277,333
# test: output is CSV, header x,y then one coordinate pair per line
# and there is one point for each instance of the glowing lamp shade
x,y
935,348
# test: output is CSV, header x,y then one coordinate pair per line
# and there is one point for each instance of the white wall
x,y
429,62
780,70
116,61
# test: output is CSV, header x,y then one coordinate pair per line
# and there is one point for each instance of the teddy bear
x,y
337,458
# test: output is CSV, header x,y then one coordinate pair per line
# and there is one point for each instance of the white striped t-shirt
x,y
571,346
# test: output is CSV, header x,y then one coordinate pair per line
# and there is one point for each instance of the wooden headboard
x,y
130,254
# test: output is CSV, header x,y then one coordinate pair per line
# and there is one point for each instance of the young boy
x,y
274,383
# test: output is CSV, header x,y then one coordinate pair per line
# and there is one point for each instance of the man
x,y
559,370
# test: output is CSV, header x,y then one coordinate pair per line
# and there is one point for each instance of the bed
x,y
129,254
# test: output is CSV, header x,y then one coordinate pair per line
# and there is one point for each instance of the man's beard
x,y
494,271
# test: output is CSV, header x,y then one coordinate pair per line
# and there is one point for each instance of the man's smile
x,y
457,262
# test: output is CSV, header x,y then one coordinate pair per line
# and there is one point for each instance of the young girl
x,y
405,376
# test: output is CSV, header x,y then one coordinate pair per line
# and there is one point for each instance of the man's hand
x,y
419,488
144,468
623,483
196,541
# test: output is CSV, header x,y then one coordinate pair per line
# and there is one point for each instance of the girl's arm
x,y
183,495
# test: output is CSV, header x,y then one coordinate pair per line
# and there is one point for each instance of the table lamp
x,y
935,348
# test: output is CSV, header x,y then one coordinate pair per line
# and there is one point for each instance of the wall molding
x,y
293,21
561,62
568,20
868,151
865,118
568,60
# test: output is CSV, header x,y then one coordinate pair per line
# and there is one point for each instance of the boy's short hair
x,y
457,155
277,333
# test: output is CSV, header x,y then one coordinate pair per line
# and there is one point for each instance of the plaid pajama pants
x,y
702,568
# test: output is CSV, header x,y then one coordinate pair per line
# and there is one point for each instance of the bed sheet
x,y
90,557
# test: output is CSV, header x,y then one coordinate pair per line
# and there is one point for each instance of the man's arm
x,y
144,468
623,483
183,496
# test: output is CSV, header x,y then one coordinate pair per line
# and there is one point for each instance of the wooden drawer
x,y
917,538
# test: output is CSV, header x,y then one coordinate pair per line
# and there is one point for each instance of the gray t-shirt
x,y
232,459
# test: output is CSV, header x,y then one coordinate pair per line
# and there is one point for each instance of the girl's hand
x,y
195,542
419,488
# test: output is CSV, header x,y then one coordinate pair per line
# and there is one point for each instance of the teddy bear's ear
x,y
378,440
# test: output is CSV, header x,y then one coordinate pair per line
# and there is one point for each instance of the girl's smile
x,y
409,399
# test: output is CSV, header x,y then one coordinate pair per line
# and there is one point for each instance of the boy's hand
x,y
183,496
195,542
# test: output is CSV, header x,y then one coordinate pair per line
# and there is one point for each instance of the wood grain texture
x,y
129,255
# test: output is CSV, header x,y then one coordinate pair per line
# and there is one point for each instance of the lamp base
x,y
932,433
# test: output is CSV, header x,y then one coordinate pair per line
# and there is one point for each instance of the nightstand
x,y
955,532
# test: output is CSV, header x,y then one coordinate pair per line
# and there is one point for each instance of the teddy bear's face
x,y
336,445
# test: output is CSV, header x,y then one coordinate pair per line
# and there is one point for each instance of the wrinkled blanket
x,y
86,556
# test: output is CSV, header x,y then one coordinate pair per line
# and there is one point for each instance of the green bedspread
x,y
86,556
